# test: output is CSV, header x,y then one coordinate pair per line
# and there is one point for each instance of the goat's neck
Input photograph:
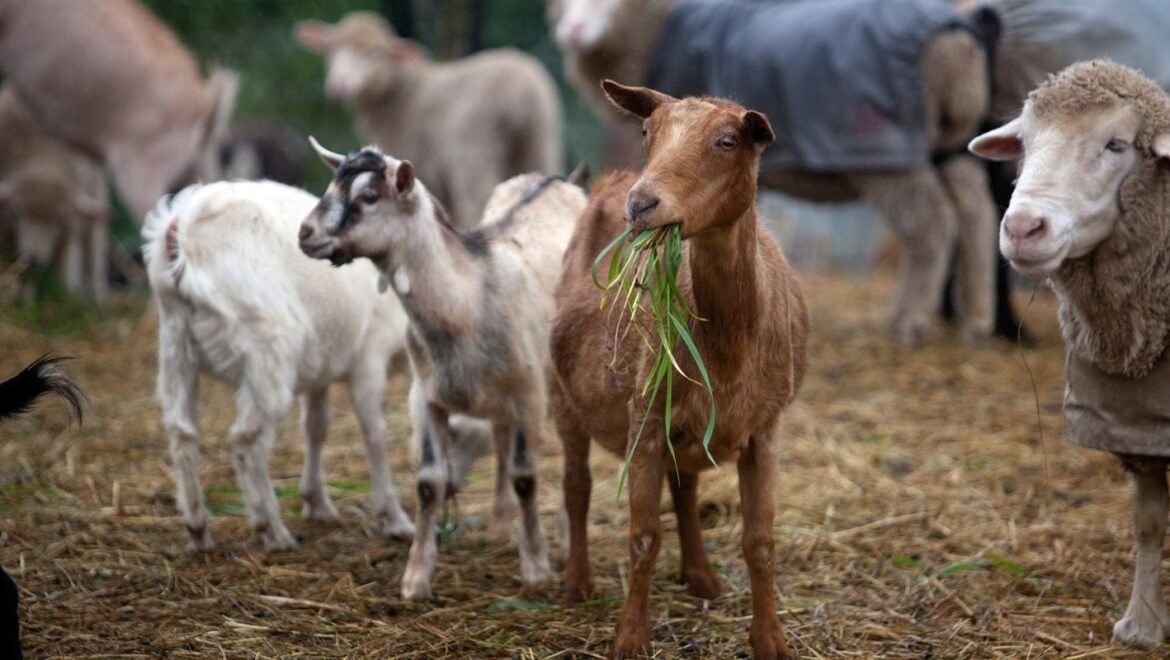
x,y
436,278
725,282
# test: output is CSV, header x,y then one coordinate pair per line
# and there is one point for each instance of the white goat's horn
x,y
330,158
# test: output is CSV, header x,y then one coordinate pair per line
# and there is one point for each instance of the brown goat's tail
x,y
19,394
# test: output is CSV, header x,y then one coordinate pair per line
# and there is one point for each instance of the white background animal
x,y
468,124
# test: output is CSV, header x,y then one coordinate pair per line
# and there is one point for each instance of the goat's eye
x,y
368,196
727,143
1116,145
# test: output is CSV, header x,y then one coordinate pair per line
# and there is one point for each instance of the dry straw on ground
x,y
919,516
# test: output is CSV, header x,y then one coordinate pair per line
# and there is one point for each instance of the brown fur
x,y
1115,301
753,343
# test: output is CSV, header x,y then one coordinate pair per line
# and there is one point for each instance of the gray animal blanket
x,y
1044,36
1115,413
838,79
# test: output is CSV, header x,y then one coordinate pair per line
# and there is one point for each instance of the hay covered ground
x,y
920,515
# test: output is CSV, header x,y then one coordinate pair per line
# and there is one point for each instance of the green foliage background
x,y
281,81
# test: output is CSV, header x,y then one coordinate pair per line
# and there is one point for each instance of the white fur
x,y
242,303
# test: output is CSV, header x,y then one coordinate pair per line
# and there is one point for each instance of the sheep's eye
x,y
1116,146
727,143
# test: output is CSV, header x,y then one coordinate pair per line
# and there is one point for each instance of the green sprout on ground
x,y
642,283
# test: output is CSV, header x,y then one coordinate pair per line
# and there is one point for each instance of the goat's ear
x,y
404,177
332,159
1162,147
315,36
638,101
758,128
1003,143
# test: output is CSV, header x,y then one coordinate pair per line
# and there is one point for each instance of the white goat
x,y
480,306
469,124
56,199
236,298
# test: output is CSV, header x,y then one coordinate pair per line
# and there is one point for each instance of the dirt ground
x,y
929,507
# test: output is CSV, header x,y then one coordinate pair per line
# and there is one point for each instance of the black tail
x,y
19,393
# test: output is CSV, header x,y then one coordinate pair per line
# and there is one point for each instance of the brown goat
x,y
702,161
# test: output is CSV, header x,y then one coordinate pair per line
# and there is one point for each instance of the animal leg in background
x,y
315,501
696,570
251,438
521,472
922,216
976,250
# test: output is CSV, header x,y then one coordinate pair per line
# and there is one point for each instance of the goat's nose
x,y
306,232
638,207
1024,225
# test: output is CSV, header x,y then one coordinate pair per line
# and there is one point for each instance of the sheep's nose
x,y
1024,225
306,232
638,207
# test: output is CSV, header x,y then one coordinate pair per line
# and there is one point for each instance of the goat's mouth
x,y
326,250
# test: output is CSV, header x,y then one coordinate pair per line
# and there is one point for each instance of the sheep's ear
x,y
404,177
1162,147
316,36
1003,143
332,159
758,128
638,101
408,50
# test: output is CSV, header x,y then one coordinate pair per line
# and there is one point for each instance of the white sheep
x,y
1091,212
56,199
479,304
113,81
237,299
469,124
937,211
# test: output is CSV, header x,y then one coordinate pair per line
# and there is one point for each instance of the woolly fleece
x,y
1115,301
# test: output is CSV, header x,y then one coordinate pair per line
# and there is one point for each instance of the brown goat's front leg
x,y
645,488
757,479
701,580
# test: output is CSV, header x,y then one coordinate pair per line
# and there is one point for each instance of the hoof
x,y
1139,631
704,584
199,539
768,642
279,540
536,571
318,509
398,528
499,532
415,586
909,333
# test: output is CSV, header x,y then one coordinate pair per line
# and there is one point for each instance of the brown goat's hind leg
x,y
757,479
700,578
645,488
578,488
1146,619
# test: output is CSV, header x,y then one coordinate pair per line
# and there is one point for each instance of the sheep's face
x,y
1066,200
702,157
581,25
364,58
364,212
